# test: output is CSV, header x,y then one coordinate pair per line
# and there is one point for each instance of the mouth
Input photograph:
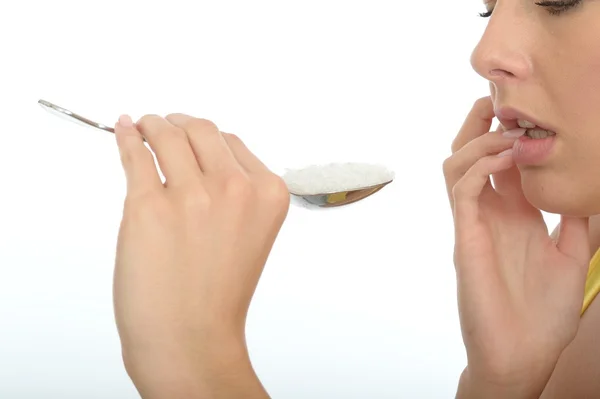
x,y
533,131
511,118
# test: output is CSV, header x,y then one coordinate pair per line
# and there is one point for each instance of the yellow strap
x,y
592,284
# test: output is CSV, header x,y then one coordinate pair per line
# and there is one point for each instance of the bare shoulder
x,y
577,374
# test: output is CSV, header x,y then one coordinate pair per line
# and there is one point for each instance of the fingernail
x,y
514,133
506,153
125,121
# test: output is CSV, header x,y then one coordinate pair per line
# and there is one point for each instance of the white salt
x,y
335,177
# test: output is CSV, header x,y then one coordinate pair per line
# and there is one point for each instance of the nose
x,y
504,52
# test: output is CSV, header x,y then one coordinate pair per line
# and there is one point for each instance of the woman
x,y
521,291
191,251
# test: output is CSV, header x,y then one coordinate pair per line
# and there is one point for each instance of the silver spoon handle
x,y
72,116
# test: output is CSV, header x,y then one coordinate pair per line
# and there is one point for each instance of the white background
x,y
357,302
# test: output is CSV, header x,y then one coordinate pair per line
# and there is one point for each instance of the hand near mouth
x,y
520,293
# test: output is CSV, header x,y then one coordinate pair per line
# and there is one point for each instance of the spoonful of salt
x,y
324,186
337,184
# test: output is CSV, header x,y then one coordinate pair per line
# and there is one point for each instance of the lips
x,y
509,118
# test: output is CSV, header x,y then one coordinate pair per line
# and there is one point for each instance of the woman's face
x,y
543,64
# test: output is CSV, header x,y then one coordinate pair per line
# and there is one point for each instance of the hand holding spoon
x,y
324,186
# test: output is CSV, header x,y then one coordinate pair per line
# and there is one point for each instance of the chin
x,y
551,193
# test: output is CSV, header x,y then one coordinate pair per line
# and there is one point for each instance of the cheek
x,y
583,88
580,102
573,189
580,80
573,86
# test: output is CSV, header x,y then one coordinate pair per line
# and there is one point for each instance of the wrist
x,y
210,370
472,385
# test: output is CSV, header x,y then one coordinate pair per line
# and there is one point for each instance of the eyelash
x,y
554,7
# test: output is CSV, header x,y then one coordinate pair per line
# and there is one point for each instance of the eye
x,y
489,11
553,7
558,7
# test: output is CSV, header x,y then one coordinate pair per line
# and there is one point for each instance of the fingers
x,y
508,183
574,238
467,190
211,151
137,160
478,121
172,148
460,162
187,148
243,155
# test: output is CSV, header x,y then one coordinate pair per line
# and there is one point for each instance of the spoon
x,y
336,184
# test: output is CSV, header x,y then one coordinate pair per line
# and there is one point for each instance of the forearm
x,y
475,388
209,374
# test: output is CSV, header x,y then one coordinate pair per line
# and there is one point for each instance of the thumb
x,y
574,238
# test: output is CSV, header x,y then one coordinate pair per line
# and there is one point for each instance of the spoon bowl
x,y
340,198
337,184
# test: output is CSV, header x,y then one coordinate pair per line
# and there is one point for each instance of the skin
x,y
189,256
519,291
524,54
577,373
191,251
547,66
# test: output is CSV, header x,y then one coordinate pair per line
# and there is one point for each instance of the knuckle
x,y
454,146
235,137
161,127
458,190
174,115
483,108
148,119
231,137
448,166
202,125
274,191
482,103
